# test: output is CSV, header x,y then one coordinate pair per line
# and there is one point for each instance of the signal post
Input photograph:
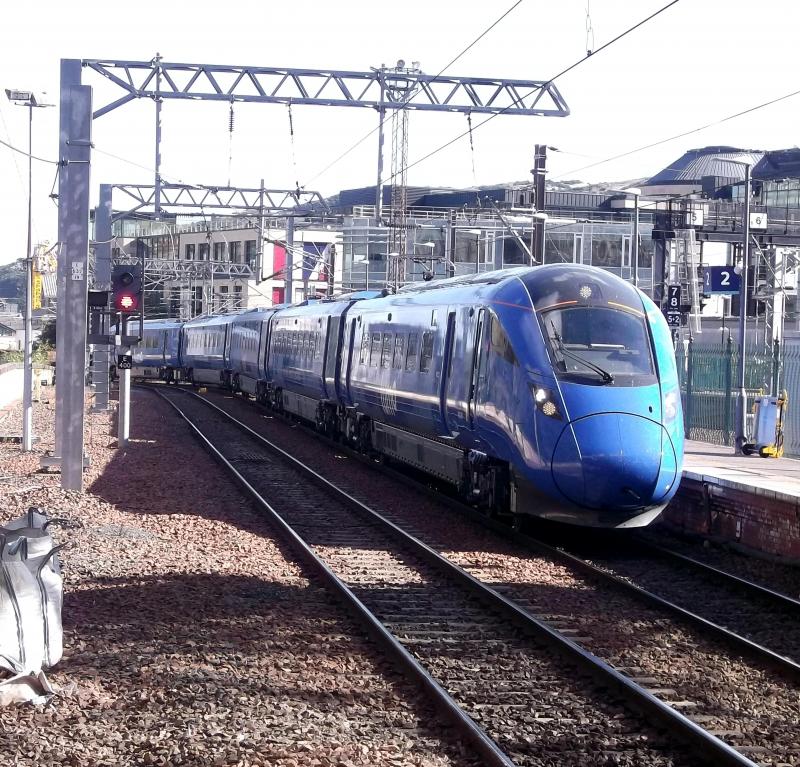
x,y
126,296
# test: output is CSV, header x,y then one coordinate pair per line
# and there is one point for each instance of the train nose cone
x,y
614,460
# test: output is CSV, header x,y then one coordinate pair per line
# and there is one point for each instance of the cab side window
x,y
500,343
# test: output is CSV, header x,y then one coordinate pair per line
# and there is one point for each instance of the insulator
x,y
230,120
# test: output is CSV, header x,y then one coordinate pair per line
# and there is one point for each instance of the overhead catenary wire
x,y
749,110
576,64
28,154
439,73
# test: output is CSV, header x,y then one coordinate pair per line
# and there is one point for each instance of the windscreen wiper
x,y
604,374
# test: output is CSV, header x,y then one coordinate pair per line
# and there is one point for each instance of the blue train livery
x,y
546,391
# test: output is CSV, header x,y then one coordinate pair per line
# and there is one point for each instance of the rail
x,y
639,698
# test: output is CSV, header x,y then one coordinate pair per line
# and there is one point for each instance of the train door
x,y
447,369
478,366
331,356
349,367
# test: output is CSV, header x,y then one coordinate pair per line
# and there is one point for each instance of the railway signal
x,y
126,288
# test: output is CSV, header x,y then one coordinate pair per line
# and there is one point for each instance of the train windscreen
x,y
599,345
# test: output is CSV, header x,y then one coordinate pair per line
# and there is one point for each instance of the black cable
x,y
27,154
548,82
681,135
440,72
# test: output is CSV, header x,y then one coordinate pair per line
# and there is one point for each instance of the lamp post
x,y
741,403
636,193
27,99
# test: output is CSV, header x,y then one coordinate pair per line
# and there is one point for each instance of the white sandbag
x,y
25,688
30,596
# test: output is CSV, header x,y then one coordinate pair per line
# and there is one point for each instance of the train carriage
x,y
548,391
158,353
205,351
249,334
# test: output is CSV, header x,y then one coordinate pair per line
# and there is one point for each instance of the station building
x,y
227,263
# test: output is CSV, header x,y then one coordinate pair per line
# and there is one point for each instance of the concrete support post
x,y
741,403
635,248
124,411
124,406
288,281
73,227
259,267
27,366
102,281
157,190
379,182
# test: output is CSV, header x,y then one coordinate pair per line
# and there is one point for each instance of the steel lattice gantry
x,y
189,196
159,80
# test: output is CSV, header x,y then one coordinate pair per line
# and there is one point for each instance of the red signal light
x,y
126,302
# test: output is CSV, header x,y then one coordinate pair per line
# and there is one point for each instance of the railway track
x,y
761,616
739,691
486,659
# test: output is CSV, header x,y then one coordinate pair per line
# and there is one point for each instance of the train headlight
x,y
546,402
671,402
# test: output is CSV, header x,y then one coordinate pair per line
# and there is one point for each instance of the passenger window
x,y
364,347
375,350
397,360
427,352
500,343
411,352
386,350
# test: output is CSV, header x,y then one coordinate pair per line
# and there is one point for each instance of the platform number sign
x,y
758,220
720,280
673,308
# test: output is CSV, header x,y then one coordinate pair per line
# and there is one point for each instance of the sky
x,y
694,64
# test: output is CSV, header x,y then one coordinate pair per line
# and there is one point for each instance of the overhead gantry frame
x,y
159,80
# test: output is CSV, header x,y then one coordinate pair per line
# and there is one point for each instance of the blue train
x,y
548,391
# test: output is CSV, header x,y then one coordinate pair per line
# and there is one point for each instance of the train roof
x,y
210,320
166,324
258,313
547,285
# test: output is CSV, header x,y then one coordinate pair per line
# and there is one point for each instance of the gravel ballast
x,y
750,707
190,636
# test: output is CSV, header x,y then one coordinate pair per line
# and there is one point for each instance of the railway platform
x,y
746,501
768,477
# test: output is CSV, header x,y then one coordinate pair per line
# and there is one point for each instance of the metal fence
x,y
710,392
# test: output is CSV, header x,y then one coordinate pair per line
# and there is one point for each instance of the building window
x,y
235,251
237,297
559,248
197,301
219,251
189,252
607,250
202,252
250,253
